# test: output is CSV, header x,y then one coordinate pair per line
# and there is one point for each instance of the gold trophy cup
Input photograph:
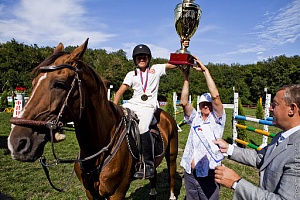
x,y
187,18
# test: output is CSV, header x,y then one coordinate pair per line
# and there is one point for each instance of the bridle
x,y
57,125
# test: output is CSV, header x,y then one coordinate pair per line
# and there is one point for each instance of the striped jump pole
x,y
249,128
248,144
251,119
181,122
267,121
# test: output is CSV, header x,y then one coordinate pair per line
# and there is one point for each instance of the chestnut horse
x,y
66,89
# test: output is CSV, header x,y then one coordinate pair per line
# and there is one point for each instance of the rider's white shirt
x,y
134,81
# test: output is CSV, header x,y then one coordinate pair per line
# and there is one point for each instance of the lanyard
x,y
144,86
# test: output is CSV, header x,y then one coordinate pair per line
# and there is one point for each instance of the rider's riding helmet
x,y
141,49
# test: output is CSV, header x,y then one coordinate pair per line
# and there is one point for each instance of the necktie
x,y
280,139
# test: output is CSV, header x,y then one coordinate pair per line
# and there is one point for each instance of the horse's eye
x,y
59,85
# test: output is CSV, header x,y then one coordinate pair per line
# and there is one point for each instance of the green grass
x,y
20,180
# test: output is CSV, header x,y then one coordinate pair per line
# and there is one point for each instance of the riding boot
x,y
147,171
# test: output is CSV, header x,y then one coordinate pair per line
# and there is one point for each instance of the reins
x,y
57,125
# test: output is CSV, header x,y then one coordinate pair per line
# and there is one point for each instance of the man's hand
x,y
199,66
226,176
223,145
185,69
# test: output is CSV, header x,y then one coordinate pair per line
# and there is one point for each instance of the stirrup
x,y
142,172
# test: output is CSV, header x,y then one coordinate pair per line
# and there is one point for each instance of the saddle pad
x,y
158,145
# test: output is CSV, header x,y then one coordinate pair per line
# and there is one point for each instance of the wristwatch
x,y
235,184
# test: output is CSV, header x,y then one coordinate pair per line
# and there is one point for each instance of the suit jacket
x,y
279,170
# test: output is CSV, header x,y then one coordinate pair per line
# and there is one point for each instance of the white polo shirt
x,y
151,88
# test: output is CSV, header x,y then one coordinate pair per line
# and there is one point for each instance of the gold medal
x,y
144,97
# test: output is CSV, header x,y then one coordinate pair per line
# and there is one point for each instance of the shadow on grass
x,y
252,142
228,140
3,142
3,145
5,197
162,187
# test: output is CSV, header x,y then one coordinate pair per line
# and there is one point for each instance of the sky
x,y
229,32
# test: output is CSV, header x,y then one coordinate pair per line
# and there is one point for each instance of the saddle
x,y
133,136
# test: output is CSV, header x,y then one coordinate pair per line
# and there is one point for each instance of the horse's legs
x,y
171,162
117,197
169,130
153,187
122,188
119,194
88,195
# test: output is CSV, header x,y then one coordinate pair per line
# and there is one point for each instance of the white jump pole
x,y
198,100
267,113
108,92
235,113
174,103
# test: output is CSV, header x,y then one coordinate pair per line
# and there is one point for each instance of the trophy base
x,y
181,59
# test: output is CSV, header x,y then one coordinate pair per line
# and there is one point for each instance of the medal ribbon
x,y
144,86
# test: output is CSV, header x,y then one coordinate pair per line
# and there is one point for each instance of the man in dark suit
x,y
278,163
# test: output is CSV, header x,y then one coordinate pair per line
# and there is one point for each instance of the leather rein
x,y
57,124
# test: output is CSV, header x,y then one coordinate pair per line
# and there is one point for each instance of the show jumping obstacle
x,y
249,128
266,122
251,119
253,146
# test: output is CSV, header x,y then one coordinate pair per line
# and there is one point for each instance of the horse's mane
x,y
97,77
48,61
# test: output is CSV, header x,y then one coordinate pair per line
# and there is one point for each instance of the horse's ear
x,y
60,47
77,53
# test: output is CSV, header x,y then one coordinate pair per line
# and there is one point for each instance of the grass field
x,y
27,180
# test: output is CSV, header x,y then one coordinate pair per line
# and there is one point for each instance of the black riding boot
x,y
146,171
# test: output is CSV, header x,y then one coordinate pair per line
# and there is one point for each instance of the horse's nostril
x,y
23,145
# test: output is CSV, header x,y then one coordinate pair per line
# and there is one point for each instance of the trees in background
x,y
3,101
17,61
170,105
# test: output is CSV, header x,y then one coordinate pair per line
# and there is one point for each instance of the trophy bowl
x,y
187,17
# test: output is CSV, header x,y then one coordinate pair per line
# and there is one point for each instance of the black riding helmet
x,y
141,49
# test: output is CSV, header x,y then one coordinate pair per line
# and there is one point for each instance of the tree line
x,y
17,60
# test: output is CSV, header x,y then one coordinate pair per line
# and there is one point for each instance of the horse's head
x,y
56,98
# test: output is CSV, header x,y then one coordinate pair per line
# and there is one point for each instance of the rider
x,y
144,80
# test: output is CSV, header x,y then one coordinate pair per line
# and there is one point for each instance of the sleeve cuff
x,y
230,149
